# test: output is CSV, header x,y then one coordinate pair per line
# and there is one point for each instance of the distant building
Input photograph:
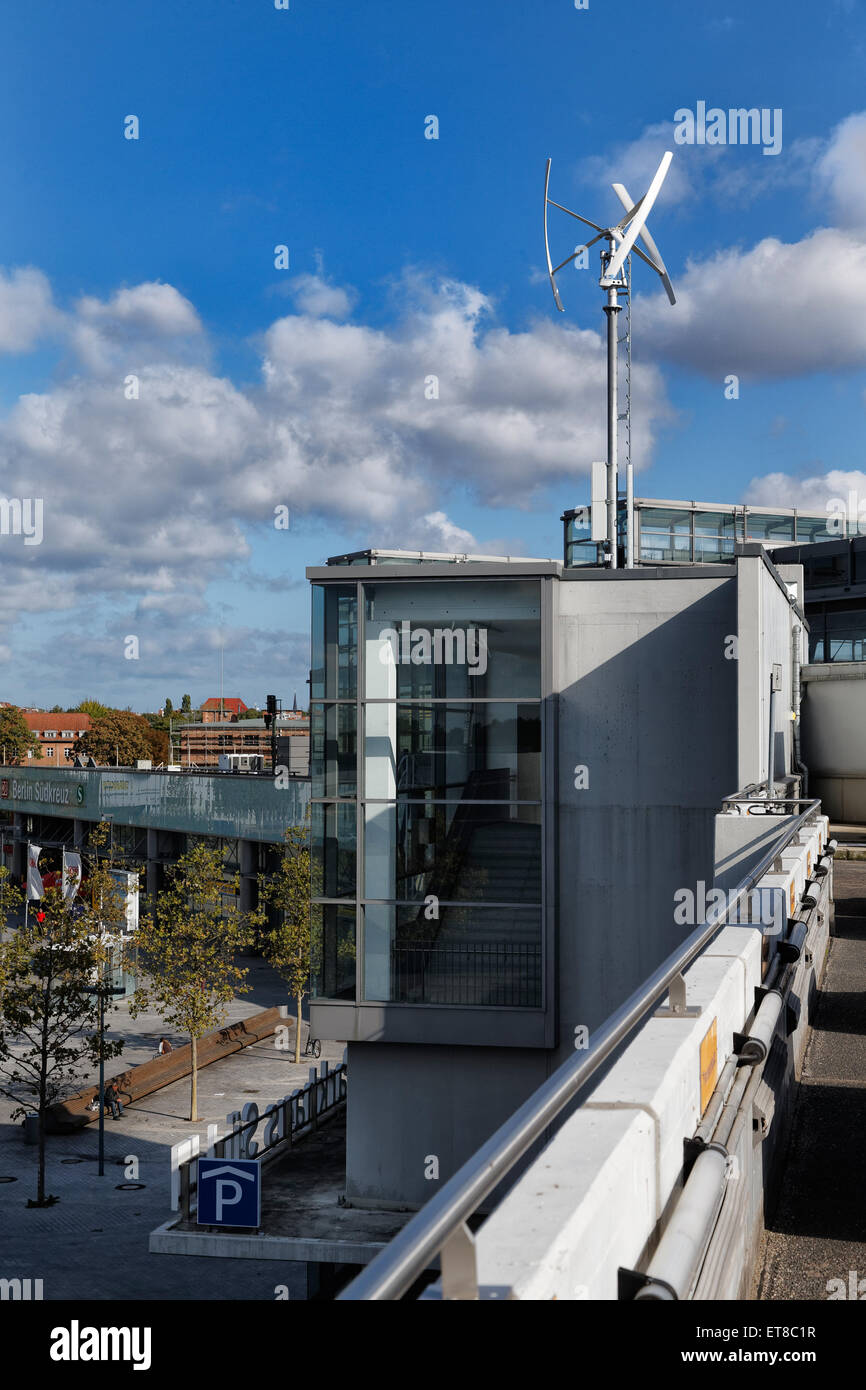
x,y
215,710
56,733
200,745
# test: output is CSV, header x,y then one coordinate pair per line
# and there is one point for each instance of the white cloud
x,y
146,321
840,174
773,311
27,310
146,501
315,296
812,493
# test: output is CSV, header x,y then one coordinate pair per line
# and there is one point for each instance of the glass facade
x,y
427,791
683,533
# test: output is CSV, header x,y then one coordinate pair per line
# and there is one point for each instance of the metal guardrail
x,y
286,1121
439,1228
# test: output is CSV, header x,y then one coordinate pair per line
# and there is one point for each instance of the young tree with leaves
x,y
187,945
284,916
49,1012
16,739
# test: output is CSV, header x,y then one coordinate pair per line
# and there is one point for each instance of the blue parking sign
x,y
229,1192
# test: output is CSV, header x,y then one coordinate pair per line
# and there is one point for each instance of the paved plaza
x,y
93,1243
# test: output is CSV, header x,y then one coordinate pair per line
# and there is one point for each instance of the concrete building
x,y
515,766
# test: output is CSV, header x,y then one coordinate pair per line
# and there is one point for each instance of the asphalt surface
x,y
817,1233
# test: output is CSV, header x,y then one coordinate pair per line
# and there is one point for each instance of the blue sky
x,y
408,257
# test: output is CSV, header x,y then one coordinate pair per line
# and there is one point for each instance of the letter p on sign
x,y
229,1193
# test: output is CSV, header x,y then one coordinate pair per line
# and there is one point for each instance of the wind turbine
x,y
621,239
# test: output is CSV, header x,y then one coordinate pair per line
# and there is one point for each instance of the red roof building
x,y
56,733
215,710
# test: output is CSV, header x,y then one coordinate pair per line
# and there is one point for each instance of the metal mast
x,y
616,278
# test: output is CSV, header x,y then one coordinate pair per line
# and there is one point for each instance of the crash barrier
x,y
286,1122
139,1081
654,1188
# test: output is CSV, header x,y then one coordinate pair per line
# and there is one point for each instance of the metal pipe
x,y
611,309
704,1131
771,750
675,1263
797,689
393,1271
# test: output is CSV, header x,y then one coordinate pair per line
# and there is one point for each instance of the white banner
x,y
71,876
35,888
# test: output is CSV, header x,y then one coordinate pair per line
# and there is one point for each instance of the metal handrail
x,y
409,1254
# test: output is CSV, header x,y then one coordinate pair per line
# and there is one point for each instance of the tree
x,y
186,705
187,945
284,903
169,707
93,708
49,1012
16,739
57,709
118,736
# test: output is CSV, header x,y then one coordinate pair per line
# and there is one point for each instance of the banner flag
x,y
35,887
71,876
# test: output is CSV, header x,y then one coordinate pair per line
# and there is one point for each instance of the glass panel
x,y
333,850
714,536
456,852
466,955
846,635
334,673
826,568
332,953
582,553
579,526
460,640
665,534
814,528
769,528
334,750
468,752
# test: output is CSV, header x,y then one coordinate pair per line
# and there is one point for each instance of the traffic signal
x,y
270,710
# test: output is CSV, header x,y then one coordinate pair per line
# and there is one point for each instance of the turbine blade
x,y
577,215
556,299
656,262
637,222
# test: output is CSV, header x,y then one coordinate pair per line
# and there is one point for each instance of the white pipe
x,y
678,1257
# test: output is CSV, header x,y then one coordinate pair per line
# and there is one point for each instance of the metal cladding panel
x,y
251,808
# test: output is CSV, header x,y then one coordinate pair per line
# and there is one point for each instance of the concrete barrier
x,y
597,1199
139,1081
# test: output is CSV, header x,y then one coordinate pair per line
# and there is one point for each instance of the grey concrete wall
x,y
765,619
648,705
409,1103
834,737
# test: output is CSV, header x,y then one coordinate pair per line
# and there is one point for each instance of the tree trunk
x,y
43,1080
193,1081
299,1000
